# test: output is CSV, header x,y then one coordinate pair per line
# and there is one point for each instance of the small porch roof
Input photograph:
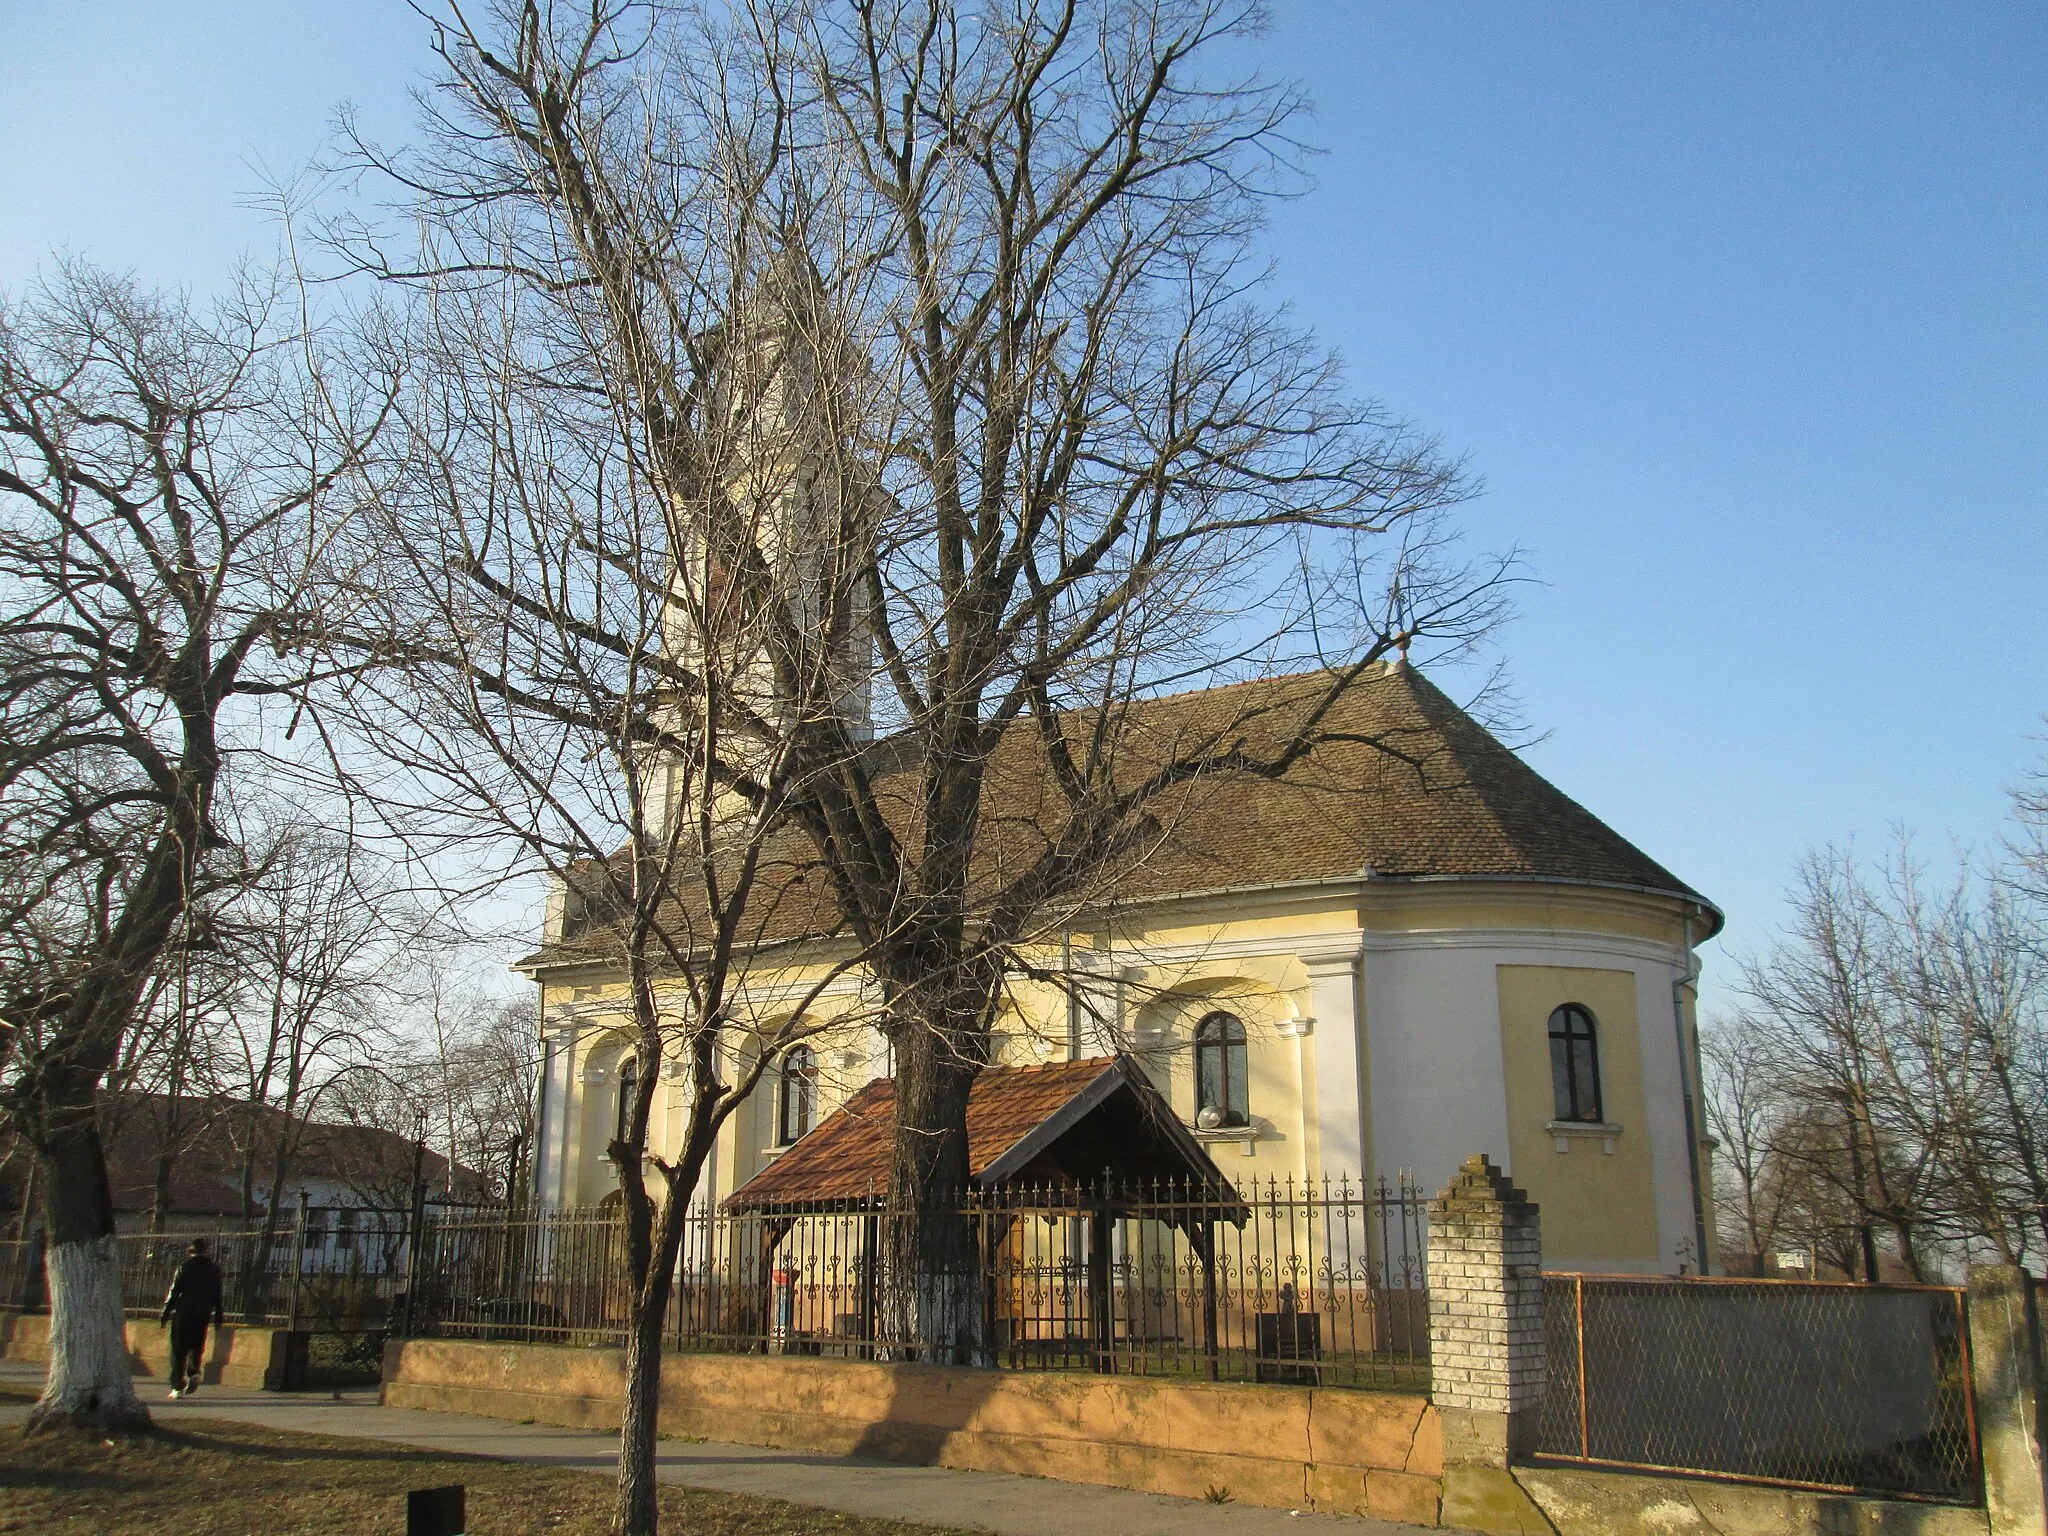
x,y
1062,1124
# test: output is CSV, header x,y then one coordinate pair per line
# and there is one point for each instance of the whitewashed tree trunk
x,y
89,1386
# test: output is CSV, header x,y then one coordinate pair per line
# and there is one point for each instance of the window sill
x,y
1562,1132
1246,1137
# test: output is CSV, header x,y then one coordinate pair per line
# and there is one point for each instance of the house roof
x,y
1402,785
211,1136
1062,1123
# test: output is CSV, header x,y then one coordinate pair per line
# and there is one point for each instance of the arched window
x,y
1575,1064
629,1080
796,1097
1220,1073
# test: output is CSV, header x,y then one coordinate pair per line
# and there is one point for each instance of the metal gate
x,y
1808,1384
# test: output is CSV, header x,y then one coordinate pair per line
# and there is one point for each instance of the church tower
x,y
771,601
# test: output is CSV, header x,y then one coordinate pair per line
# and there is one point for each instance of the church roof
x,y
1406,785
1403,785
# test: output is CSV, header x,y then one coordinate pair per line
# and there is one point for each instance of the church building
x,y
1409,949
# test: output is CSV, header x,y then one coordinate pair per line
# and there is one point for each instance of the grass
x,y
217,1476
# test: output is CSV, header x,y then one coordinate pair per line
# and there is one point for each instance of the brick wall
x,y
1485,1295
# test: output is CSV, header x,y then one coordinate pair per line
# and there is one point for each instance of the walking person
x,y
193,1302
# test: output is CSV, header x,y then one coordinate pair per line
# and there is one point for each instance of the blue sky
x,y
1739,311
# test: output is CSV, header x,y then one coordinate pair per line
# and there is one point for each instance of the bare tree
x,y
591,669
1746,1101
164,485
1054,454
461,1071
1831,988
1890,1079
312,937
2026,868
169,1072
485,1071
1972,987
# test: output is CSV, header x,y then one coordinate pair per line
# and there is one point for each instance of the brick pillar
x,y
1485,1314
2007,1373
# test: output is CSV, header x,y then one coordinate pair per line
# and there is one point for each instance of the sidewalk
x,y
988,1501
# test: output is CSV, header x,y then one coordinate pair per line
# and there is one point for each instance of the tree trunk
x,y
636,1513
931,1263
88,1386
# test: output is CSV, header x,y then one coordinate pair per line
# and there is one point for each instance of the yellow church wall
x,y
1596,1205
1170,964
1165,1040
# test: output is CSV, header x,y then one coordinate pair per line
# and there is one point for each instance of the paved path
x,y
988,1501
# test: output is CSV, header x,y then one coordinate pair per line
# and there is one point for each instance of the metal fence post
x,y
416,1231
291,1318
1579,1303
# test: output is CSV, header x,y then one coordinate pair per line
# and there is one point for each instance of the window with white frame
x,y
796,1096
1222,1087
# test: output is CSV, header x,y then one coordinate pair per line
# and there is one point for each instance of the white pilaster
x,y
574,1092
1337,1049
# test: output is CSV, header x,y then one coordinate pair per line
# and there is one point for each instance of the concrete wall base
x,y
1364,1453
1583,1502
1489,1499
253,1358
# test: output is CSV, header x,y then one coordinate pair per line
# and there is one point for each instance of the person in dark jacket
x,y
193,1302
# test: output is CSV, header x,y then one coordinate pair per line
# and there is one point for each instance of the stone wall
x,y
1309,1448
251,1358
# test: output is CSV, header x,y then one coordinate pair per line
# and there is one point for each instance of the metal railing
x,y
331,1269
1807,1384
1314,1283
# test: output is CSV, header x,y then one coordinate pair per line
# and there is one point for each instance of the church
x,y
1409,949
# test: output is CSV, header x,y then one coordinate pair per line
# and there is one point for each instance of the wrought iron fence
x,y
332,1269
1808,1384
1313,1283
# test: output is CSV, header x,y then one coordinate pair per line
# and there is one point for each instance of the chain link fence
x,y
1836,1387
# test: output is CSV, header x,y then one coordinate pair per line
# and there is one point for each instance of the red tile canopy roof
x,y
1062,1123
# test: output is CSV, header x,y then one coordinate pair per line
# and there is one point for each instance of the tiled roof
x,y
1405,784
214,1138
1015,1115
1402,785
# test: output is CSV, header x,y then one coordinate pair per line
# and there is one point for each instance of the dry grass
x,y
211,1475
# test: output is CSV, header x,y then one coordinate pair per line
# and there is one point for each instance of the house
x,y
346,1173
1410,949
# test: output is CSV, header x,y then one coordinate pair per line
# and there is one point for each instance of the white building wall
x,y
1432,1030
1433,1033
